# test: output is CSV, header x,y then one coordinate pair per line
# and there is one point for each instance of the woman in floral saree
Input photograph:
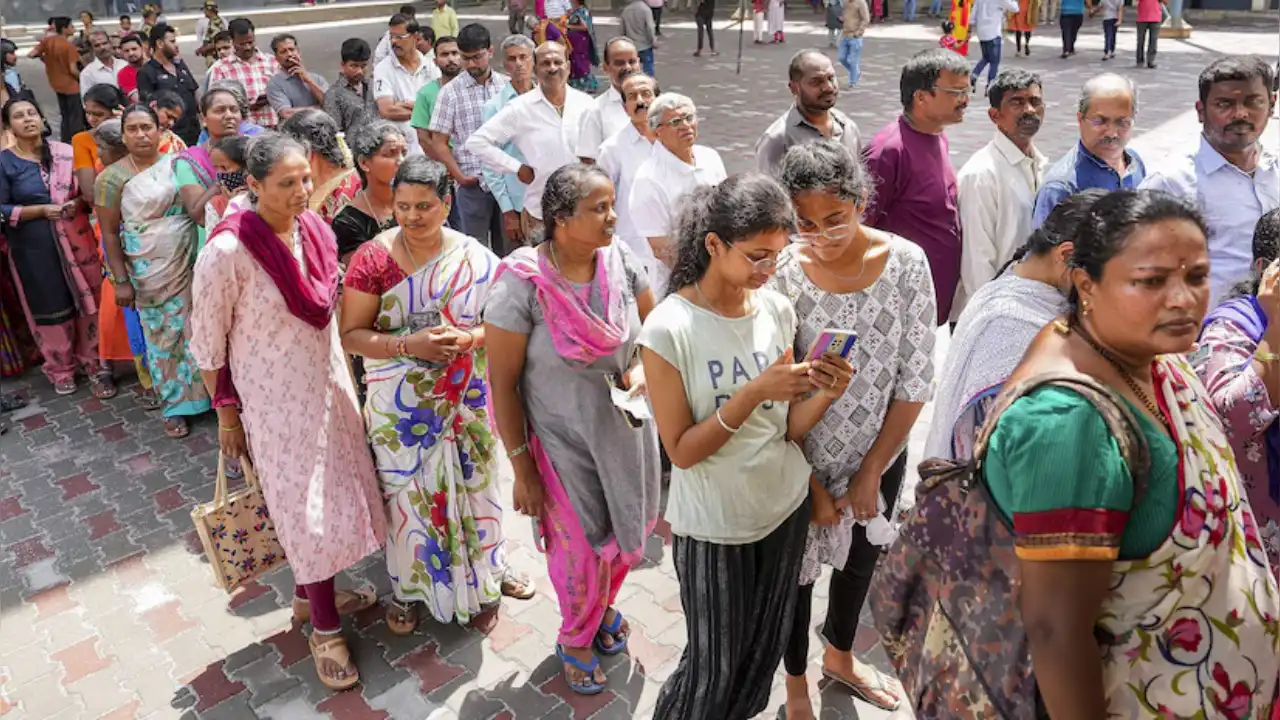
x,y
411,308
1137,602
152,260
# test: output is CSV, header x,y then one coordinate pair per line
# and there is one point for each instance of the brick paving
x,y
107,606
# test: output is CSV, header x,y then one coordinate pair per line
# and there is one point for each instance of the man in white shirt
x,y
988,26
399,77
676,167
1230,176
622,155
558,8
405,14
105,65
996,189
543,124
608,115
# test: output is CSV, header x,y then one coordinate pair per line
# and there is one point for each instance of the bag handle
x,y
220,486
1120,420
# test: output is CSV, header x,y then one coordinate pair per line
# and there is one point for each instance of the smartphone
x,y
834,341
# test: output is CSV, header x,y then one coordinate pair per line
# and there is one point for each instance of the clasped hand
x,y
439,344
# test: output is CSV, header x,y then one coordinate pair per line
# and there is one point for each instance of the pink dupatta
x,y
81,262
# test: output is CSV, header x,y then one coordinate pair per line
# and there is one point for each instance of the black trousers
x,y
738,604
703,21
1070,25
848,588
72,113
1148,32
657,20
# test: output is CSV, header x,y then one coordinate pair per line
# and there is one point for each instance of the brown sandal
x,y
333,662
177,427
349,602
103,386
402,619
517,585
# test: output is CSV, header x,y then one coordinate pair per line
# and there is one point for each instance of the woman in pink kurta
x,y
264,335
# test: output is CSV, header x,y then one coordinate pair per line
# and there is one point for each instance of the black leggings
x,y
657,20
704,21
1018,35
1070,25
847,590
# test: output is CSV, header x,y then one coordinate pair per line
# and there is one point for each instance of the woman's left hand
x,y
633,379
863,495
831,374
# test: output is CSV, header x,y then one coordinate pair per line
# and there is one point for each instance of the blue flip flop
x,y
619,643
588,686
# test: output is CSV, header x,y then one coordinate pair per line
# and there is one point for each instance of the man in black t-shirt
x,y
167,71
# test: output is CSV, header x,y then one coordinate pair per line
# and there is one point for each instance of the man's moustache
x,y
1241,125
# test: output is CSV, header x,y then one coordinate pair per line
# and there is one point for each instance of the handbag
x,y
239,538
946,596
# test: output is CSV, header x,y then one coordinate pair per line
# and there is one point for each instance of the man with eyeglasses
x,y
996,188
1230,176
813,115
676,167
910,161
399,76
1108,103
458,113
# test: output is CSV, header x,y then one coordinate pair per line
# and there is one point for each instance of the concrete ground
x,y
107,607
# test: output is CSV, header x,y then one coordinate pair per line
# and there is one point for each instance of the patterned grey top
x,y
894,318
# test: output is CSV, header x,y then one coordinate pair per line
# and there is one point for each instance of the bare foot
x,y
799,706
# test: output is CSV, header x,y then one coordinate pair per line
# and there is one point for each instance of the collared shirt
x,y
659,185
395,81
99,73
286,91
996,191
547,138
1080,170
506,188
1231,201
255,74
988,17
621,157
350,106
61,58
459,112
607,116
444,21
153,77
792,128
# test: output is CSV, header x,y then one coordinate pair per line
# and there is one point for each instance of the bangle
x,y
231,428
471,337
1266,357
518,451
402,346
725,425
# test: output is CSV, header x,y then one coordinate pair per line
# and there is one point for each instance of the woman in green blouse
x,y
1177,582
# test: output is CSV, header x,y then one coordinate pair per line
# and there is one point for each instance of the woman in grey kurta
x,y
561,325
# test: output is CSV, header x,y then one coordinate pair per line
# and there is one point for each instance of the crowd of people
x,y
437,262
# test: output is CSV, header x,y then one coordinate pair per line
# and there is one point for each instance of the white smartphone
x,y
834,341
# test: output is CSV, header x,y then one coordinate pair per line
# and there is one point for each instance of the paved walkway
x,y
107,607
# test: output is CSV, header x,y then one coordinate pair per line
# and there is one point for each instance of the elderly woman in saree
x,y
334,179
998,325
151,244
193,170
109,181
55,262
378,149
266,341
1239,365
411,308
562,323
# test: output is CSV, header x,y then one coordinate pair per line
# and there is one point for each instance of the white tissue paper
x,y
880,532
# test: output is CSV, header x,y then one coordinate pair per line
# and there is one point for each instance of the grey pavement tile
x,y
234,708
404,702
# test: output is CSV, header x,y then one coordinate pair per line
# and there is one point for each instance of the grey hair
x,y
96,33
665,102
234,88
566,187
320,131
367,140
421,170
109,135
266,151
1103,83
517,41
825,166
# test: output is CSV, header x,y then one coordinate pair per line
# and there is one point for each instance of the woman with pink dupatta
x,y
54,254
561,324
265,338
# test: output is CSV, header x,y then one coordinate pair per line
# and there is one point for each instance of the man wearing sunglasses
x,y
1108,104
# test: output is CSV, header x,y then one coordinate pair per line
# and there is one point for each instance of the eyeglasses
x,y
401,36
761,266
955,92
680,121
1102,122
831,235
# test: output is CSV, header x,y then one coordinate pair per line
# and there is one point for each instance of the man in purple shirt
x,y
915,194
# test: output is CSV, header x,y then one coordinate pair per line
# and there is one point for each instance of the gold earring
x,y
1084,308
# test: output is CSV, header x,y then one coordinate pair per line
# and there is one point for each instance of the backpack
x,y
946,595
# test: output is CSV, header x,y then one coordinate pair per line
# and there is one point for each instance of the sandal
x,y
148,400
348,602
176,427
517,585
333,662
586,686
402,619
65,387
613,631
103,386
883,685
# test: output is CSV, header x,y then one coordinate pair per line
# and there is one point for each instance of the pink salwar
x,y
68,345
586,582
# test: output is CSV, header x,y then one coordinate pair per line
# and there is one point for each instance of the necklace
x,y
862,268
698,288
1124,374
